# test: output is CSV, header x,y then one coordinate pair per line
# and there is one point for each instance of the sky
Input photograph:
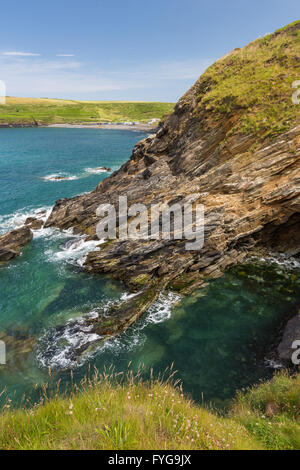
x,y
125,49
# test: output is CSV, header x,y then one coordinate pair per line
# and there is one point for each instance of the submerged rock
x,y
12,242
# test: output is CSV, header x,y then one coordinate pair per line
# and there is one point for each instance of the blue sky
x,y
125,50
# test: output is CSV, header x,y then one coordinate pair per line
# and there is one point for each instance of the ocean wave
x,y
74,251
17,219
161,310
61,347
63,176
288,262
135,336
57,177
97,171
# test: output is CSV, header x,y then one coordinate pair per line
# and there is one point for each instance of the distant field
x,y
50,111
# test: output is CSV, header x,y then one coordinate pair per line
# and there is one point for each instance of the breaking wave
x,y
97,171
17,219
74,251
289,262
57,177
63,176
61,347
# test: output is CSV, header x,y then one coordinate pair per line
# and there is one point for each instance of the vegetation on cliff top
x,y
130,414
49,111
256,81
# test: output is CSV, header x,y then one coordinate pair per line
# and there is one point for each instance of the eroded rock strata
x,y
12,242
221,147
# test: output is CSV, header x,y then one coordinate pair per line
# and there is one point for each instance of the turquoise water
x,y
217,338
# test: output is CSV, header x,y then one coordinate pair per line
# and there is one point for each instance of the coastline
x,y
111,126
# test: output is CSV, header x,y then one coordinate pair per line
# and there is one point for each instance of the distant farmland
x,y
53,111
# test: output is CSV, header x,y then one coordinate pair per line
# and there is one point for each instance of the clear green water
x,y
217,338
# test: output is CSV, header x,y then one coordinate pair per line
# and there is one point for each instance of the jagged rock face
x,y
12,242
249,184
252,199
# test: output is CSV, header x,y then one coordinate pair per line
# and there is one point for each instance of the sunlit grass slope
x,y
50,111
256,83
131,414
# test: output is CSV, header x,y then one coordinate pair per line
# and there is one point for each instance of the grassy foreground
x,y
49,111
130,414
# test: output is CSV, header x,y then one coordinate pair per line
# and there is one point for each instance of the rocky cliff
x,y
233,145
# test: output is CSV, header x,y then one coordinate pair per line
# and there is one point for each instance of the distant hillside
x,y
27,111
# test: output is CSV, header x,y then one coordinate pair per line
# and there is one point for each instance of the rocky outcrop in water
x,y
231,144
12,242
34,223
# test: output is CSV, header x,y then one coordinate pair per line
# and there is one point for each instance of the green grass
x,y
255,82
113,413
48,111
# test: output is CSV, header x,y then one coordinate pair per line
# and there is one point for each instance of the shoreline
x,y
110,126
114,126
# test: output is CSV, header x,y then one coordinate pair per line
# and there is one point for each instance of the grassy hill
x,y
49,111
131,414
256,82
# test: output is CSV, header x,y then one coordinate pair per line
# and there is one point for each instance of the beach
x,y
115,126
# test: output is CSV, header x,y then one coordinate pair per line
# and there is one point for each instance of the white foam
x,y
273,364
126,296
57,177
60,351
60,345
161,309
281,260
135,337
74,251
96,171
17,219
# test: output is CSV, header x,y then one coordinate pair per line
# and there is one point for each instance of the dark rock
x,y
12,242
34,223
290,335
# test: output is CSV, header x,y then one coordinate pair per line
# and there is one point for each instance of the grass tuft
x,y
121,411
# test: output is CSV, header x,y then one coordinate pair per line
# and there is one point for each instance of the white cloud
x,y
65,55
65,78
21,54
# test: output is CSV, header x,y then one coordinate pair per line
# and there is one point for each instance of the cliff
x,y
231,144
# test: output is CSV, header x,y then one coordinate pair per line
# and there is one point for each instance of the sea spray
x,y
74,343
17,219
